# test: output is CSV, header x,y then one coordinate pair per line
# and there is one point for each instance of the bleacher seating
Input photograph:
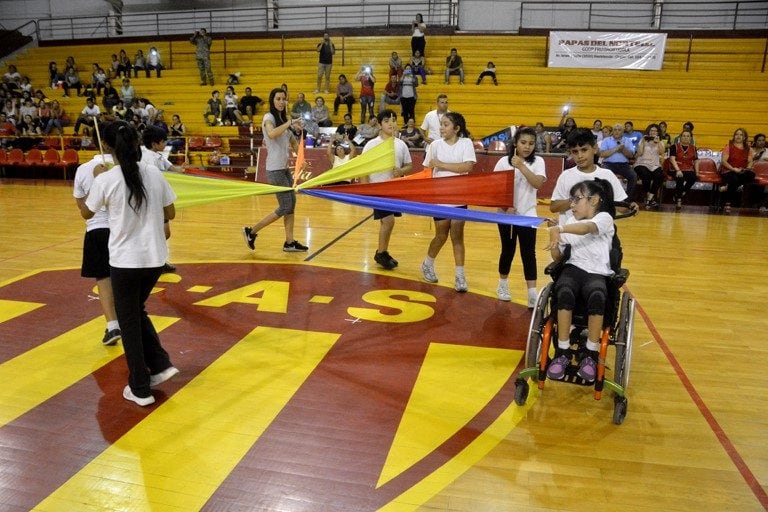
x,y
528,91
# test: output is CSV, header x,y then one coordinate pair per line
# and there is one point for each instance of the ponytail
x,y
597,187
124,141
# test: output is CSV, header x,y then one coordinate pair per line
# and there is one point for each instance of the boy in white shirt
x,y
403,165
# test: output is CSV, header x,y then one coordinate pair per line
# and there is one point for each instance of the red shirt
x,y
7,128
737,157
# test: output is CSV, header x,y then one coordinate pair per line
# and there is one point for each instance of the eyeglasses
x,y
576,199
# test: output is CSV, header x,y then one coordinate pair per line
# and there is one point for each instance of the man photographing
x,y
202,42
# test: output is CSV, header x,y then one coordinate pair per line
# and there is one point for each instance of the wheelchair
x,y
617,334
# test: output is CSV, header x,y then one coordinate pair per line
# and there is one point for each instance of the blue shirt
x,y
617,157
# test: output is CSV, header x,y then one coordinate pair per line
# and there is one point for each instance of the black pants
x,y
348,102
143,352
733,181
651,178
683,183
409,109
625,171
509,236
418,43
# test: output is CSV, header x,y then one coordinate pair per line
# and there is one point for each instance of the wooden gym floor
x,y
318,382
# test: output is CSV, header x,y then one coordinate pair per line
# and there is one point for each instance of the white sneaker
x,y
428,271
532,296
128,395
502,292
460,284
163,376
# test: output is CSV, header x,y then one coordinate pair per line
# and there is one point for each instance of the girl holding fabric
x,y
279,139
450,155
530,174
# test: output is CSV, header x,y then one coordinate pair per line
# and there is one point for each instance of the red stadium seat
x,y
51,158
16,157
708,172
761,173
34,158
212,142
195,143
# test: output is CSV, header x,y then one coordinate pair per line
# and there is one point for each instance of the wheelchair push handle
x,y
631,209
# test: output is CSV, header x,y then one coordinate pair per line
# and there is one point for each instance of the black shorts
x,y
380,214
96,254
441,218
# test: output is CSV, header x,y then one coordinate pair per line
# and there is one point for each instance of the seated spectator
x,y
391,94
490,70
55,77
543,139
72,81
454,66
159,122
153,62
419,65
39,98
213,110
395,65
124,65
597,130
25,85
231,115
683,166
127,92
114,64
56,120
12,78
411,135
148,111
347,130
343,95
616,151
759,149
301,107
340,152
736,168
10,111
177,132
664,135
249,104
320,114
43,114
87,115
98,80
29,127
634,135
648,157
7,128
367,131
139,63
111,97
119,110
27,108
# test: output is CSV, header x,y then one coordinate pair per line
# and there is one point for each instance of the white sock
x,y
594,346
503,281
564,344
429,261
460,271
112,325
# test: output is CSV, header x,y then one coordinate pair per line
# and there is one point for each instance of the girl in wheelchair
x,y
589,232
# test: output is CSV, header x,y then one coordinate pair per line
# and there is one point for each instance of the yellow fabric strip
x,y
194,190
381,158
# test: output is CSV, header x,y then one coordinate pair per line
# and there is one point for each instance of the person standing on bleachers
x,y
202,42
418,41
326,51
616,152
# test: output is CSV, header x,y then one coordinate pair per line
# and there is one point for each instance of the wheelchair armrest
x,y
554,268
620,277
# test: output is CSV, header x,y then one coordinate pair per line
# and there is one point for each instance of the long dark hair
x,y
598,187
527,130
280,117
458,121
124,141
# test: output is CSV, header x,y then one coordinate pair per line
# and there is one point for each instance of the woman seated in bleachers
x,y
139,63
683,165
124,64
419,65
176,131
320,114
759,149
648,156
736,168
55,76
98,80
56,120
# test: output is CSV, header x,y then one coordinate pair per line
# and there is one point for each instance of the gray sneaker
x,y
428,271
460,284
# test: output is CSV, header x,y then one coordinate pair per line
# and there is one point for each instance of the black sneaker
x,y
385,260
111,337
168,268
250,237
294,246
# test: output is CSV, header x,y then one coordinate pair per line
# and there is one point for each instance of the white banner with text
x,y
606,50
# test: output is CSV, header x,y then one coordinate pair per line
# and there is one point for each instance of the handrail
x,y
6,40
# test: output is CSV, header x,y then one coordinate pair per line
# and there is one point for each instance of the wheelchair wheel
x,y
538,319
619,409
623,341
521,391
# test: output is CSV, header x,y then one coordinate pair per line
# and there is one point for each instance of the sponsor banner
x,y
606,50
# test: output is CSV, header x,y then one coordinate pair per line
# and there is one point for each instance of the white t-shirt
x,y
91,111
591,252
83,183
431,124
461,151
402,158
151,157
136,240
572,176
525,194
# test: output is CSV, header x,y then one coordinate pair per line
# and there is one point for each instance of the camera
x,y
648,137
367,69
307,116
566,108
